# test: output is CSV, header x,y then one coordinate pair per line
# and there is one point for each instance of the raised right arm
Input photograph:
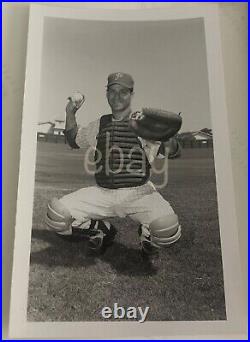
x,y
71,128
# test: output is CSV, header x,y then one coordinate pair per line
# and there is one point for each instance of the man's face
x,y
119,97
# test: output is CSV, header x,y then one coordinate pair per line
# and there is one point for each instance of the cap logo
x,y
118,75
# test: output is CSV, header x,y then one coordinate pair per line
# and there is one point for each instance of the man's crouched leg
x,y
100,234
162,232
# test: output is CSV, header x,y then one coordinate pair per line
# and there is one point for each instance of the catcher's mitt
x,y
155,124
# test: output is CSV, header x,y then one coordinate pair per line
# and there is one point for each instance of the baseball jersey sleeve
x,y
157,149
172,148
151,149
86,136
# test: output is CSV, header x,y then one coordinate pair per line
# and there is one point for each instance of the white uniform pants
x,y
143,204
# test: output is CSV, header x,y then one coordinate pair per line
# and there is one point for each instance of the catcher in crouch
x,y
133,140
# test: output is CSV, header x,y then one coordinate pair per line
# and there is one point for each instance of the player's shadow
x,y
127,260
55,251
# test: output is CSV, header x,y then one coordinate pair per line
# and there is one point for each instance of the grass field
x,y
184,283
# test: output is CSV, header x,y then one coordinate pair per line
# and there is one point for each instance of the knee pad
x,y
165,230
58,217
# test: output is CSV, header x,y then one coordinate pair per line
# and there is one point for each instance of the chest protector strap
x,y
121,162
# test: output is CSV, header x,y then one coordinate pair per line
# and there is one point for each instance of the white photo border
x,y
235,324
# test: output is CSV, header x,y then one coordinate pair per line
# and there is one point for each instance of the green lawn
x,y
185,283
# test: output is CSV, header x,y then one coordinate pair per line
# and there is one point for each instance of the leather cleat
x,y
95,243
97,234
148,251
103,238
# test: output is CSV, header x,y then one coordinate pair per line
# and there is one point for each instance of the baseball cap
x,y
121,78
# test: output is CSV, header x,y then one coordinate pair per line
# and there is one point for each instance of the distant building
x,y
46,127
59,127
201,135
51,130
55,127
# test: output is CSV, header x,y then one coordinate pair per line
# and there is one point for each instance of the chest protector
x,y
121,162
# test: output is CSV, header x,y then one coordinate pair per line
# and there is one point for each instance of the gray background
x,y
167,60
233,19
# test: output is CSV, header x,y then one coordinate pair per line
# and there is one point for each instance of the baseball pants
x,y
143,204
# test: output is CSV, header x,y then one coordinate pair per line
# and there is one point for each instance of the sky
x,y
167,60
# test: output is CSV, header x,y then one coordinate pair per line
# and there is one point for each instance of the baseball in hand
x,y
78,99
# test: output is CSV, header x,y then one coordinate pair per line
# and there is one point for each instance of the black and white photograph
x,y
110,236
125,219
